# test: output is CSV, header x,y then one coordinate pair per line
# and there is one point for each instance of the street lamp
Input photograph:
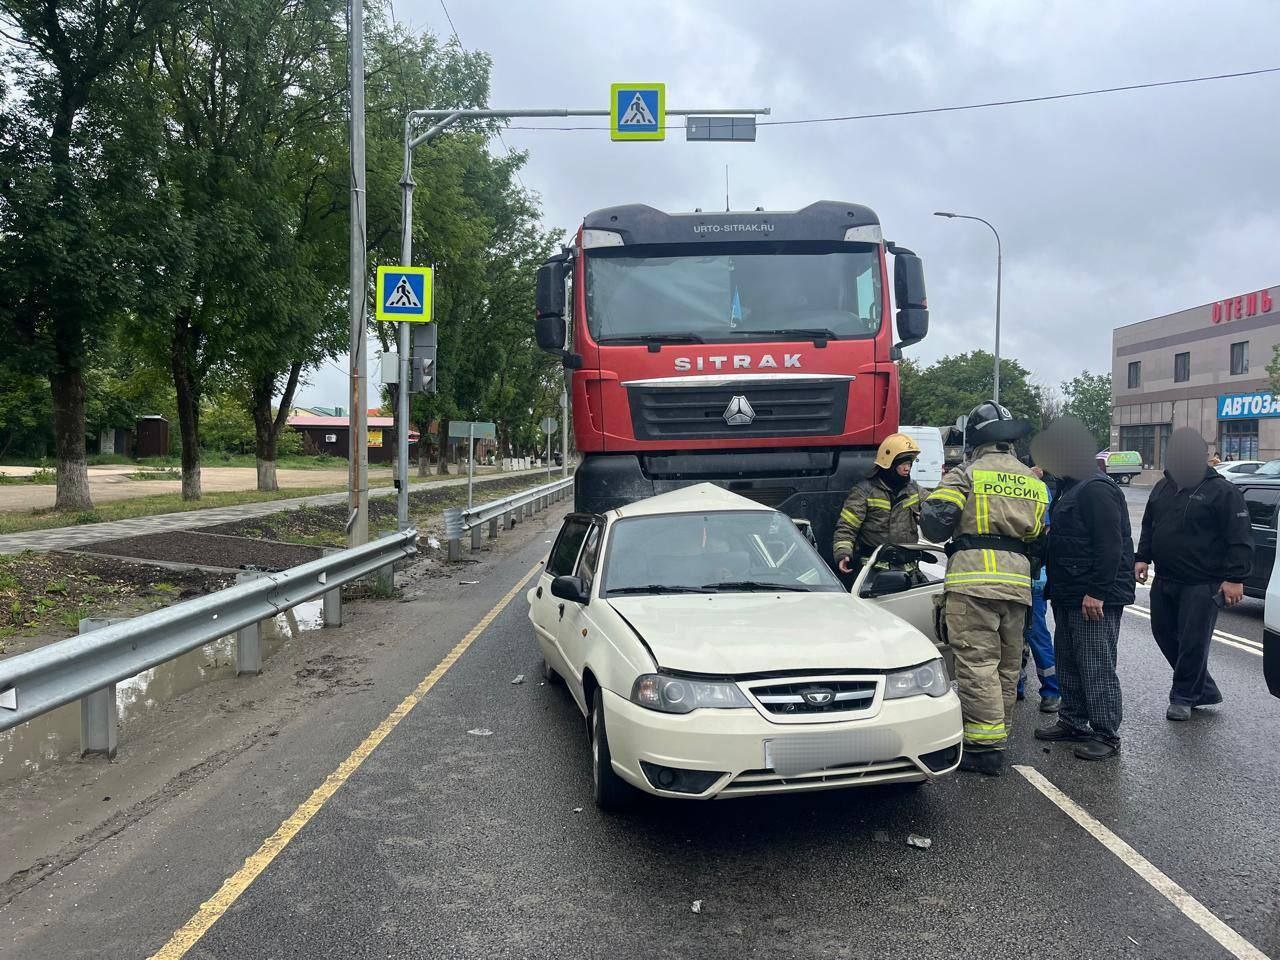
x,y
965,216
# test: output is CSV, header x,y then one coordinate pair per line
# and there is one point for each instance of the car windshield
x,y
1269,469
720,552
715,296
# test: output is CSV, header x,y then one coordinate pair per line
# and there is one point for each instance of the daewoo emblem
x,y
817,698
739,413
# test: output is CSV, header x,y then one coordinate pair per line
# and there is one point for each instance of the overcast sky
x,y
1112,209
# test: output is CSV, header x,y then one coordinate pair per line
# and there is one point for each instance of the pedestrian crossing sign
x,y
404,294
637,111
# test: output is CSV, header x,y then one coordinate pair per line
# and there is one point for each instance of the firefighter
x,y
992,508
884,508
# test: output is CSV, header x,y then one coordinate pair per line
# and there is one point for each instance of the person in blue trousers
x,y
1039,642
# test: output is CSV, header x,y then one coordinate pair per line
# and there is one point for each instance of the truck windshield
x,y
720,552
715,296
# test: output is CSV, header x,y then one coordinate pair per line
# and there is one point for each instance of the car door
x,y
573,618
1262,502
915,604
547,611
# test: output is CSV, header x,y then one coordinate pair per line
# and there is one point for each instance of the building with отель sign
x,y
1206,368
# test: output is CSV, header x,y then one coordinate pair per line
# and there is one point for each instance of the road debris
x,y
920,843
697,906
481,732
518,680
577,809
433,543
1133,941
468,583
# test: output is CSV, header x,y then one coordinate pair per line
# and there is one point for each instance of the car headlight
x,y
678,695
930,678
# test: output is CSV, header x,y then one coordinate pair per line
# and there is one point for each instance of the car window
x,y
721,551
1247,468
587,562
565,551
1262,506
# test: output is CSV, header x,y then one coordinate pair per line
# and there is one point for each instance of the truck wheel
x,y
612,793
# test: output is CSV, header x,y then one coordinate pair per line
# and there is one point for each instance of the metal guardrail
x,y
87,667
507,511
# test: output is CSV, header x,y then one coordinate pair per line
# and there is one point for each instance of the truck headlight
x,y
929,679
657,691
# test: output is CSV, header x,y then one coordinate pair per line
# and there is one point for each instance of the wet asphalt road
x,y
444,844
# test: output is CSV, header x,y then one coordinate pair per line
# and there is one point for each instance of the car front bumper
x,y
733,743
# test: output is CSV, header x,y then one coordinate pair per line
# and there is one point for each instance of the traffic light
x,y
423,375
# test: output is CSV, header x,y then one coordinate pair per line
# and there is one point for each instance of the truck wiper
x,y
654,338
802,333
753,585
656,588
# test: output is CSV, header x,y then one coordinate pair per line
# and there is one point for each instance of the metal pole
x,y
358,432
402,395
564,432
548,455
471,460
999,266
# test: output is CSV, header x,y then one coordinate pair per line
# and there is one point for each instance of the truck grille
x,y
797,409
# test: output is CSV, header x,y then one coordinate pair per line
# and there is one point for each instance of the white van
x,y
928,468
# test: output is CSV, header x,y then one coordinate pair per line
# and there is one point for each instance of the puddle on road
x,y
56,735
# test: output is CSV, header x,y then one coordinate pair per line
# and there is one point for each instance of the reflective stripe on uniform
x,y
946,493
984,732
877,502
842,545
911,501
851,518
984,576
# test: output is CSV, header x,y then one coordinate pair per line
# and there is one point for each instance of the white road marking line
x,y
1230,639
1191,908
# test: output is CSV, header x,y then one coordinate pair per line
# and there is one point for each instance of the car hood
x,y
736,633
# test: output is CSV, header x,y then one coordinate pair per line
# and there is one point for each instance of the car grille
x,y
796,409
788,698
755,781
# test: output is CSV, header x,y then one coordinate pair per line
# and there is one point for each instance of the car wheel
x,y
611,791
549,674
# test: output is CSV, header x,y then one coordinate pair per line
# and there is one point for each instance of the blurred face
x,y
1185,457
1066,449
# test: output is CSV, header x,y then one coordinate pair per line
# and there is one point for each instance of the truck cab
x,y
748,349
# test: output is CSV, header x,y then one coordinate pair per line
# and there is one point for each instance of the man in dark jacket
x,y
1196,531
1090,580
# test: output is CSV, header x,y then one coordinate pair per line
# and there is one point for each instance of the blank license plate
x,y
807,752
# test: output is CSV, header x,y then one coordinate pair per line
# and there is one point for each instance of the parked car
x,y
714,654
928,467
1271,634
1239,468
1262,497
1121,465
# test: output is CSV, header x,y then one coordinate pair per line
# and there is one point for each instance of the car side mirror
x,y
909,295
570,588
549,331
548,296
889,581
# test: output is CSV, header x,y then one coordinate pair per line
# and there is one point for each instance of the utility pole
x,y
358,427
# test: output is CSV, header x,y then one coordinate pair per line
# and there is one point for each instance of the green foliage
x,y
1089,400
936,395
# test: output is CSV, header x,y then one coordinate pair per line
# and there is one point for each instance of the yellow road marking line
x,y
189,934
1191,908
1230,639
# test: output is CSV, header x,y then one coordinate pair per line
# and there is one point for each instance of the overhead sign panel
x,y
404,294
1247,406
742,129
637,111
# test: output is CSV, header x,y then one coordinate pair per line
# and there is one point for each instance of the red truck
x,y
749,349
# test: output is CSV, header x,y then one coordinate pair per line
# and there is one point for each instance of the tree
x,y
1089,400
954,385
69,214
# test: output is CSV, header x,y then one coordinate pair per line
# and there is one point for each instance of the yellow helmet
x,y
893,447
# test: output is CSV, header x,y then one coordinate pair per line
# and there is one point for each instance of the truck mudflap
x,y
811,485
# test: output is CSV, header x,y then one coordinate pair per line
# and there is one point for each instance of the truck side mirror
x,y
549,324
909,294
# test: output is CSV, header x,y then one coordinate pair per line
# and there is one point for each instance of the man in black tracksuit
x,y
1089,566
1196,531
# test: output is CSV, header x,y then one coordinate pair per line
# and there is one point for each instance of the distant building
x,y
1204,367
330,435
